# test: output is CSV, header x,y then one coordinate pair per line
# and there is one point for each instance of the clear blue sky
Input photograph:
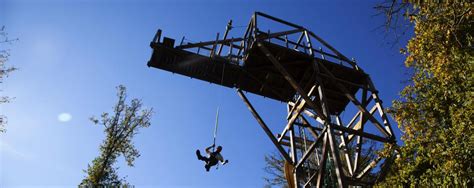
x,y
72,54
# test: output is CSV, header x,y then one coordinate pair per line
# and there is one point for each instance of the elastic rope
x,y
218,107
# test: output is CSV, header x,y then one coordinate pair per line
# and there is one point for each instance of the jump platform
x,y
253,72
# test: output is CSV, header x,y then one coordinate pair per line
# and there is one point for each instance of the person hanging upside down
x,y
212,157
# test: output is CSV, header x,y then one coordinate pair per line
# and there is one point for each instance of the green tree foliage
x,y
119,128
4,69
435,111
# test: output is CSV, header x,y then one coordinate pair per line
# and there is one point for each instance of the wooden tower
x,y
319,85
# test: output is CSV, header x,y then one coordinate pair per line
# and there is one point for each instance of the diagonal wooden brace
x,y
291,80
295,115
310,150
264,126
356,102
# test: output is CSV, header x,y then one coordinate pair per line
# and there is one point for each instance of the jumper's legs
x,y
200,157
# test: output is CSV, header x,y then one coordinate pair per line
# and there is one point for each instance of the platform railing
x,y
238,46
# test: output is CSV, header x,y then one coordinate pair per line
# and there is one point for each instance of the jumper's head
x,y
219,148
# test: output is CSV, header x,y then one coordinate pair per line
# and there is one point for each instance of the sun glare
x,y
64,117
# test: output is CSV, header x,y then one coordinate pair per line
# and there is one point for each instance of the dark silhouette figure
x,y
212,157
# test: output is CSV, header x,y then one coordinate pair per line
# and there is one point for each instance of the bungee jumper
x,y
213,157
213,153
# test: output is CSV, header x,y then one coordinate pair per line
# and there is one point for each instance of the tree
x,y
120,128
4,69
435,111
275,170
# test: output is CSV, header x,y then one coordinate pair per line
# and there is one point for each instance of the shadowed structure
x,y
318,85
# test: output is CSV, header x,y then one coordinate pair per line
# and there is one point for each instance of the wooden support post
x,y
322,163
294,156
310,46
227,29
213,51
264,126
344,147
182,41
255,26
335,157
299,41
246,35
330,133
157,37
381,111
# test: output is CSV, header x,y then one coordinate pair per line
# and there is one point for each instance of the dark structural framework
x,y
319,85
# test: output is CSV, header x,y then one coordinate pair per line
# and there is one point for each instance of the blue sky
x,y
72,55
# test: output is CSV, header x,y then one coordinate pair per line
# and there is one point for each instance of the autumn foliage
x,y
435,111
